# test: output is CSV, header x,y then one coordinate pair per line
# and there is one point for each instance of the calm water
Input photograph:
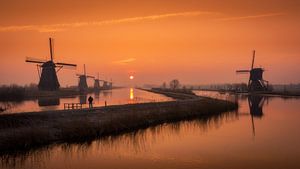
x,y
263,136
112,97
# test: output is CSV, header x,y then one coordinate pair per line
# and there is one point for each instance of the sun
x,y
131,77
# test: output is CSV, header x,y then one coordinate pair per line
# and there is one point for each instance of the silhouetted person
x,y
90,99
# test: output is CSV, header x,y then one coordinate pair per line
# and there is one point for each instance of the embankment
x,y
262,93
19,132
175,94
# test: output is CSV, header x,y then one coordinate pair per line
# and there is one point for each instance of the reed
x,y
12,93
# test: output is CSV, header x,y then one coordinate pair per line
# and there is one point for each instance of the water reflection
x,y
46,101
256,103
4,106
131,96
107,93
112,97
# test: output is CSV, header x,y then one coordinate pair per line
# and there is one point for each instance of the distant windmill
x,y
97,83
110,84
106,84
256,81
48,78
82,85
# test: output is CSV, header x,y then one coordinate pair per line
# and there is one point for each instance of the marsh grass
x,y
12,93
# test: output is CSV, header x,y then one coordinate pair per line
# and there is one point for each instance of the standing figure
x,y
90,99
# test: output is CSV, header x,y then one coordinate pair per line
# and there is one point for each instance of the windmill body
x,y
256,81
48,77
82,84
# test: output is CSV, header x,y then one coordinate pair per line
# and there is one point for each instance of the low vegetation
x,y
12,93
179,94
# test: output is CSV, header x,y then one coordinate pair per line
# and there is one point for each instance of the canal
x,y
111,97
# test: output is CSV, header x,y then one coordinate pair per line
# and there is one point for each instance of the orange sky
x,y
196,41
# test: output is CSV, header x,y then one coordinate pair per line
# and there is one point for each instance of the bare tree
x,y
174,84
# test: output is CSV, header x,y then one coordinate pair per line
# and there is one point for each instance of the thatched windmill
x,y
48,68
82,85
256,81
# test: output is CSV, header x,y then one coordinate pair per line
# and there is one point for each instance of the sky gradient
x,y
198,42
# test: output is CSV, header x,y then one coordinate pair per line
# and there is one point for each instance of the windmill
x,y
97,83
82,85
48,77
256,81
106,84
110,84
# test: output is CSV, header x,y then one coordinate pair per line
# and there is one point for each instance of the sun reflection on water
x,y
131,96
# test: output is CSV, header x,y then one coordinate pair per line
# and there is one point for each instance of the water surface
x,y
111,97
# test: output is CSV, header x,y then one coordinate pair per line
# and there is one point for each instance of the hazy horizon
x,y
197,42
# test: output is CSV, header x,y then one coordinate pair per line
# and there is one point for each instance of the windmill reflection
x,y
82,99
256,103
51,101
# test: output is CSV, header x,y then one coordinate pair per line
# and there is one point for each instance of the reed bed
x,y
12,93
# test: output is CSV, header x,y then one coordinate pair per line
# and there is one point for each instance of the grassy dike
x,y
19,132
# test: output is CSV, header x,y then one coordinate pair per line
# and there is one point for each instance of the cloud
x,y
251,16
64,26
125,61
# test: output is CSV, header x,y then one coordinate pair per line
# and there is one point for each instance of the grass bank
x,y
262,93
178,94
30,130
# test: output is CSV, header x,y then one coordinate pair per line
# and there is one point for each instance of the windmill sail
x,y
242,71
66,64
253,58
51,48
35,60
